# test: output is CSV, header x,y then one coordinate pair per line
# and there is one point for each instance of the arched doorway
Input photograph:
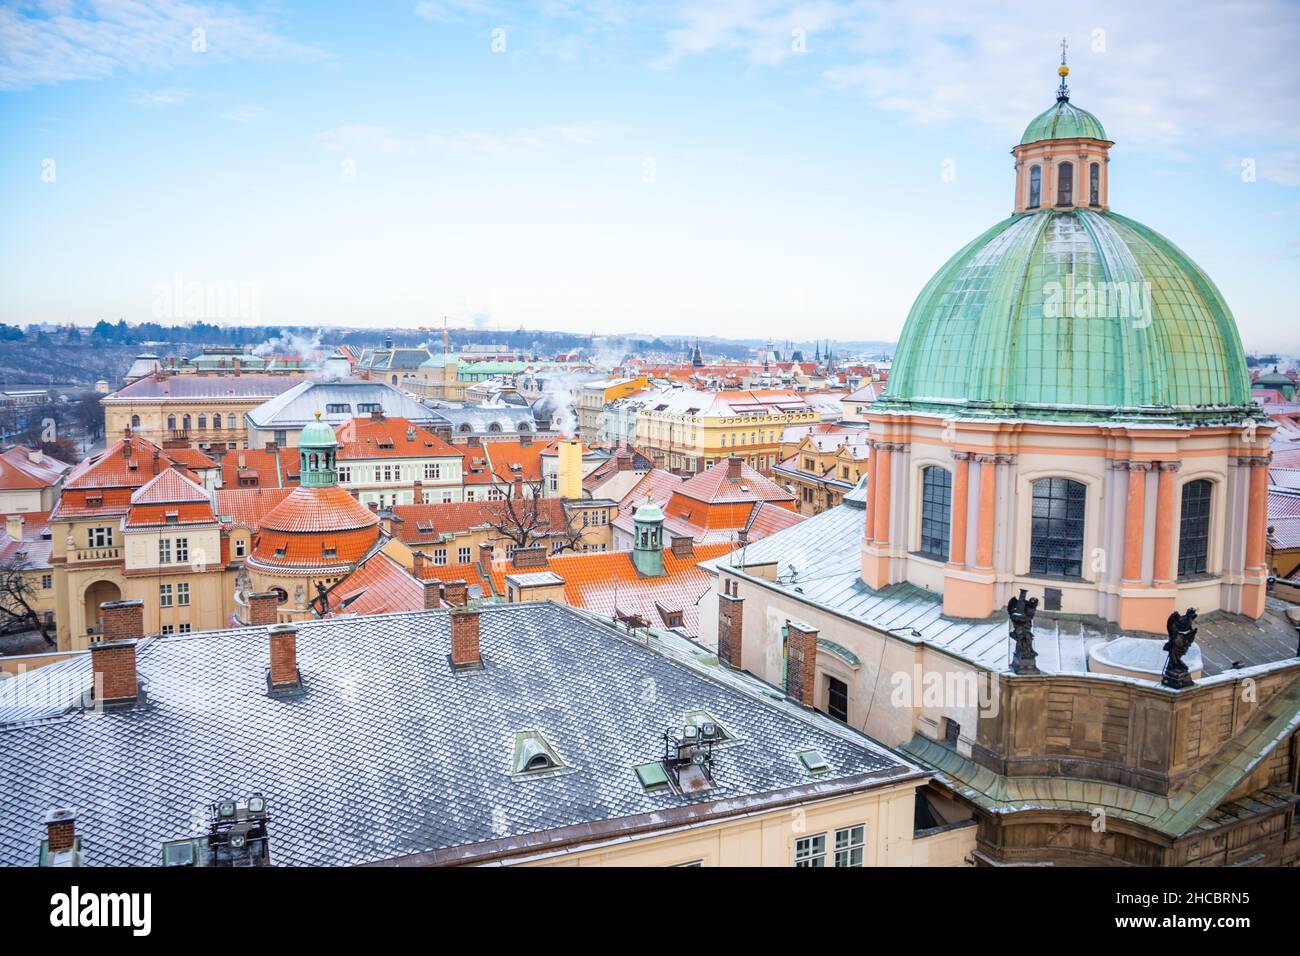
x,y
96,594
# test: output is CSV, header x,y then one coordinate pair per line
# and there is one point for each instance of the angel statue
x,y
1182,633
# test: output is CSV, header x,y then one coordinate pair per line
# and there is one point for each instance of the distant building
x,y
280,420
29,480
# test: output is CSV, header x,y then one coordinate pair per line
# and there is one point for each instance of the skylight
x,y
813,761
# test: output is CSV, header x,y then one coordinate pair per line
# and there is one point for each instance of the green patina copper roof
x,y
1073,314
317,434
1063,120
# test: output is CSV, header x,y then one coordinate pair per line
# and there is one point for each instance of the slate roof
x,y
819,561
192,387
387,752
299,405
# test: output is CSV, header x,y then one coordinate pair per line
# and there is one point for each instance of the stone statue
x,y
243,582
299,595
1182,633
322,597
1021,611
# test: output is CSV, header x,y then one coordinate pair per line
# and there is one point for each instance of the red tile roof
x,y
191,458
768,518
319,510
502,455
18,472
364,438
379,586
715,485
265,469
423,524
111,476
169,486
247,506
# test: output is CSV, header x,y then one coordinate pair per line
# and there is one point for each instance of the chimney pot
x,y
263,608
464,639
60,829
284,655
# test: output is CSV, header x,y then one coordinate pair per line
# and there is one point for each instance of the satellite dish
x,y
237,840
698,759
476,590
710,729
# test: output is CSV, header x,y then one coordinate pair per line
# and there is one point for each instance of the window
x,y
203,423
1194,528
47,581
171,422
1056,532
462,555
184,629
432,470
230,422
338,409
837,699
345,474
365,408
849,845
1065,184
240,545
168,629
810,850
1094,184
185,422
183,594
439,555
936,511
1035,186
281,438
99,537
164,550
182,550
135,421
164,595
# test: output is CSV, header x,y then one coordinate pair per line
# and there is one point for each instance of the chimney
x,y
730,628
622,462
235,363
112,660
525,441
123,620
473,441
456,593
485,553
377,414
432,594
464,640
155,462
733,468
419,492
284,656
388,342
417,565
528,558
14,527
569,469
271,447
263,608
517,488
683,546
36,456
801,665
742,537
60,830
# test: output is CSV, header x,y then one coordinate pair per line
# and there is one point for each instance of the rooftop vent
x,y
813,761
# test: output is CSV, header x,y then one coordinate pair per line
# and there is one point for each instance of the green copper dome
x,y
1074,315
317,434
1063,121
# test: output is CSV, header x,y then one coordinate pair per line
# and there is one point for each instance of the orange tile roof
x,y
127,463
288,550
169,486
148,516
595,580
714,485
469,573
192,458
503,455
365,438
318,510
247,506
768,518
260,466
35,523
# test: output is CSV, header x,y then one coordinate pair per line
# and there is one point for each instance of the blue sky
x,y
742,168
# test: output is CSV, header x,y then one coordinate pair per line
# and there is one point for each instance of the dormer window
x,y
533,754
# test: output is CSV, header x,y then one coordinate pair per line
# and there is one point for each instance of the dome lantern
x,y
317,448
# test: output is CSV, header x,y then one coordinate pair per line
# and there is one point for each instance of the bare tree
x,y
524,520
18,599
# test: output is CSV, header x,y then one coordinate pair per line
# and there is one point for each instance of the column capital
x,y
987,459
1255,461
1125,464
1169,465
963,455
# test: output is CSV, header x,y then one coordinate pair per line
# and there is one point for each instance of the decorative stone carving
x,y
1021,611
1182,633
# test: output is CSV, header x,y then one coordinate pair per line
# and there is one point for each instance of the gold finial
x,y
318,414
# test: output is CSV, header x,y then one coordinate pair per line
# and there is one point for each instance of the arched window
x,y
1065,184
494,427
1094,184
171,422
523,427
135,421
463,427
936,511
1194,528
216,419
1056,534
394,379
230,421
186,422
203,423
1035,186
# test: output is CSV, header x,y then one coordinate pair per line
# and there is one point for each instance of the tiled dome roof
x,y
315,527
1063,120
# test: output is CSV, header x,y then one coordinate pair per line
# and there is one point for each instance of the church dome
x,y
1071,314
315,529
1064,120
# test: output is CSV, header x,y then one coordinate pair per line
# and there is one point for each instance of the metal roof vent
x,y
813,761
533,754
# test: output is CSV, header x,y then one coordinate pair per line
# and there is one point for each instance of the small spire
x,y
1063,91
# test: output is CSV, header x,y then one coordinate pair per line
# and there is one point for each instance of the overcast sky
x,y
737,167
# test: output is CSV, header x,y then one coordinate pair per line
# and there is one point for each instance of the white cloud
x,y
158,99
58,42
245,113
359,139
1158,74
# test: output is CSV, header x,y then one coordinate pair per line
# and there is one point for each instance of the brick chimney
x,y
730,629
284,655
60,830
418,559
622,462
485,554
377,414
517,489
733,468
112,659
263,609
432,594
525,441
473,441
528,558
419,492
123,620
801,666
272,447
464,640
683,546
456,593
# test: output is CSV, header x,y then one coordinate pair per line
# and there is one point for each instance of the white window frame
x,y
850,840
164,595
810,850
183,594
